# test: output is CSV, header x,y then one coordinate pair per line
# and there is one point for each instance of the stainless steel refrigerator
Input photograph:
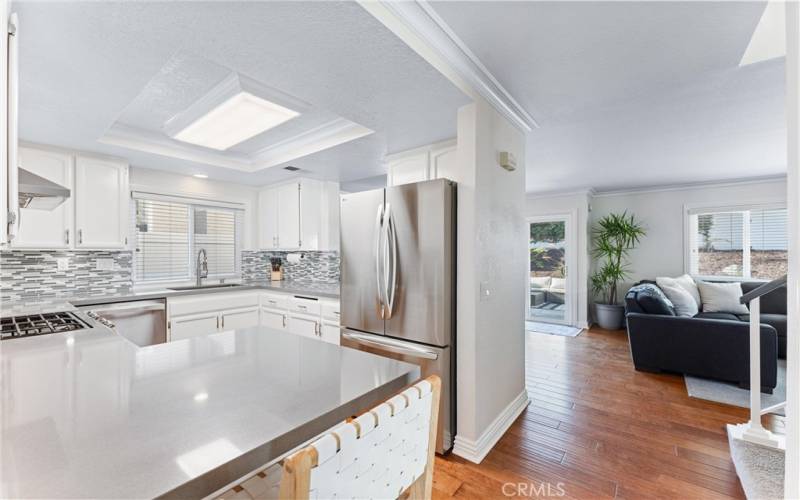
x,y
398,281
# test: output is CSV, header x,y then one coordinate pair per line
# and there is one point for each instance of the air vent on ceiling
x,y
291,168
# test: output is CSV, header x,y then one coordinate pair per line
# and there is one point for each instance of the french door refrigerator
x,y
398,281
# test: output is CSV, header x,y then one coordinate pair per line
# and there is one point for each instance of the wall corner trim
x,y
476,451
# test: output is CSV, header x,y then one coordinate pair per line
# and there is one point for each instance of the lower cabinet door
x,y
273,319
330,332
244,318
307,326
193,325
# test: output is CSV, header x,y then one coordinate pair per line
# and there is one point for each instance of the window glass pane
x,y
162,240
768,243
719,250
215,231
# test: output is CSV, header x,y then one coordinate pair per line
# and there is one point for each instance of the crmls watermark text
x,y
534,490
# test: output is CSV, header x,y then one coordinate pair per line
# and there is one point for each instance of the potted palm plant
x,y
614,236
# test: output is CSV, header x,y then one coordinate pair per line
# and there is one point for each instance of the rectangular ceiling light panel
x,y
235,120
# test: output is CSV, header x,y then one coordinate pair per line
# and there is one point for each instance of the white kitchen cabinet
x,y
289,216
193,325
268,218
101,203
47,228
330,332
242,318
272,318
299,215
435,161
305,325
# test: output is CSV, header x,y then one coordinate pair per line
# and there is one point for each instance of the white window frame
x,y
690,235
193,204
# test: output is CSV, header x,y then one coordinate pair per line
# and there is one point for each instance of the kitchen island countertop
x,y
89,415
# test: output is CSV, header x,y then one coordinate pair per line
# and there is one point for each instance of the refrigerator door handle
x,y
391,346
391,252
378,263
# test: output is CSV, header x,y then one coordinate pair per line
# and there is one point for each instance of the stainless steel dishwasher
x,y
143,322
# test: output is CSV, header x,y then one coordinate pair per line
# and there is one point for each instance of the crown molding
x,y
328,135
420,27
691,185
555,194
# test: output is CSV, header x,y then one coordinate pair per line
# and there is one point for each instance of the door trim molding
x,y
570,217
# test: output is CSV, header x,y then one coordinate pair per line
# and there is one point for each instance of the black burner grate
x,y
39,324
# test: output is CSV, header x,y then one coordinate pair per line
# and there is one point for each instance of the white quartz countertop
x,y
89,415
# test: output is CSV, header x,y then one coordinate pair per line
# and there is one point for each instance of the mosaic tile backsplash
x,y
315,266
26,274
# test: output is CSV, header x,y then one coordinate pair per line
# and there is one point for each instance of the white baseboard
x,y
475,451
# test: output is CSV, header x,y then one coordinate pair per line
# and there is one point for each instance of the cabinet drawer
x,y
275,301
305,306
193,304
330,309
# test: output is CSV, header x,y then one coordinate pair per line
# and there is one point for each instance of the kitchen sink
x,y
205,287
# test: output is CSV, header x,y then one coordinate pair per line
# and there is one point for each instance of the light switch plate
x,y
486,291
62,264
104,264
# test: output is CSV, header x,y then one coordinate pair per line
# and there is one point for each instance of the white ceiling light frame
x,y
235,110
769,37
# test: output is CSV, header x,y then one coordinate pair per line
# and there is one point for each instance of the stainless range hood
x,y
39,193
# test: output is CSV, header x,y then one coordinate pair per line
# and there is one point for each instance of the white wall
x,y
578,205
661,251
156,181
492,249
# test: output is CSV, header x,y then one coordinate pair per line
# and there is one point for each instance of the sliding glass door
x,y
550,289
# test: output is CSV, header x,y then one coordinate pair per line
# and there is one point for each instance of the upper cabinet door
x,y
268,219
46,228
289,216
408,169
101,203
444,162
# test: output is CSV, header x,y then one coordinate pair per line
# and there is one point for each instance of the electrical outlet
x,y
104,264
62,264
486,291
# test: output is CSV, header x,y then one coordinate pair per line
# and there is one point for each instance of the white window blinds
x,y
739,243
169,233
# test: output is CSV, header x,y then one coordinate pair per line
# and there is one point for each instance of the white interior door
x,y
552,280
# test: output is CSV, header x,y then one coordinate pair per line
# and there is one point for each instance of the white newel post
x,y
792,471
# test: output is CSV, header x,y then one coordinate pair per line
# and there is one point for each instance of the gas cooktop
x,y
40,324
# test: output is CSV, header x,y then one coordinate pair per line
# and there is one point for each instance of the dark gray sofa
x,y
710,345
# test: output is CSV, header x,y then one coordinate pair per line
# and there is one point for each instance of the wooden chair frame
x,y
296,480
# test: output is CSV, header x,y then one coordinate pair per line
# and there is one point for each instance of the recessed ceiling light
x,y
201,396
200,176
237,119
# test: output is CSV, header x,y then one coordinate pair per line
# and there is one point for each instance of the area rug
x,y
732,394
759,468
551,329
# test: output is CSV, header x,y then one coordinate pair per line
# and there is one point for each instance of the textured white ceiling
x,y
82,65
632,93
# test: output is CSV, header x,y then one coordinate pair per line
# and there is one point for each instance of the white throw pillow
x,y
686,282
722,297
540,283
558,284
684,303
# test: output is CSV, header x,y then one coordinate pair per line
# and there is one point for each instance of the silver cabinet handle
x,y
80,236
66,236
217,322
284,321
391,346
223,321
378,266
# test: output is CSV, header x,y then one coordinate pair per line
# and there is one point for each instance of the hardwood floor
x,y
596,428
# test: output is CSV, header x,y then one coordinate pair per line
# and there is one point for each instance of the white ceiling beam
x,y
422,29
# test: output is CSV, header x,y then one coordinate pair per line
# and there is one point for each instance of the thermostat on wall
x,y
507,161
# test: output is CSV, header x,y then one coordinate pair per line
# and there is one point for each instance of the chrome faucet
x,y
201,267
